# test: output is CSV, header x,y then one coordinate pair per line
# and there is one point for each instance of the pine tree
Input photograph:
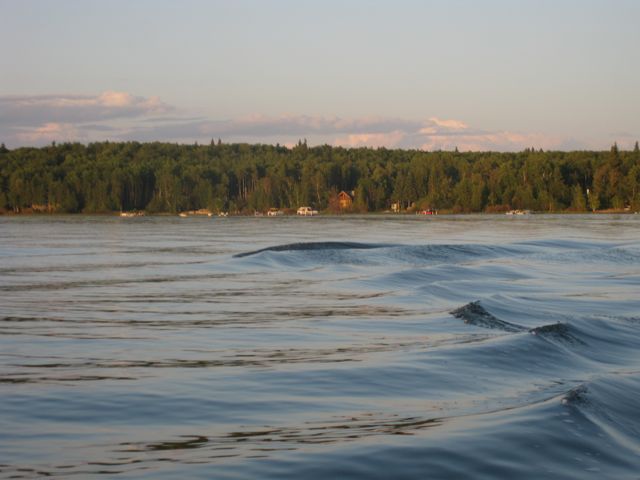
x,y
614,148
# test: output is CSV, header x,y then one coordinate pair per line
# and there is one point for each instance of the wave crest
x,y
312,246
475,314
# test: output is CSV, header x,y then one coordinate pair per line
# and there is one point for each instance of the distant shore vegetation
x,y
241,178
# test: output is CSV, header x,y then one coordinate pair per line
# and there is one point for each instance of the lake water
x,y
350,347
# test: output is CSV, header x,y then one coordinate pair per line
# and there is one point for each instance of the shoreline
x,y
321,214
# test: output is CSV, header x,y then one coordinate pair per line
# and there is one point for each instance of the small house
x,y
345,200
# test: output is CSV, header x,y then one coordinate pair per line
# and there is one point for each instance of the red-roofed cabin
x,y
345,200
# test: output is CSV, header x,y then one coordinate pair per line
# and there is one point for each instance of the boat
x,y
183,214
202,211
274,212
306,212
131,214
427,212
518,212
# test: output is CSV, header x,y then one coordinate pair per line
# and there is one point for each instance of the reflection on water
x,y
358,347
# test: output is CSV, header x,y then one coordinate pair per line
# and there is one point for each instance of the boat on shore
x,y
274,212
195,213
306,212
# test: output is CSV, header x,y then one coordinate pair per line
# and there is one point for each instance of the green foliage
x,y
579,203
163,177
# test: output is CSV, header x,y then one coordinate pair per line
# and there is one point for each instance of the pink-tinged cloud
x,y
36,110
115,99
113,115
387,140
449,124
263,125
49,132
491,141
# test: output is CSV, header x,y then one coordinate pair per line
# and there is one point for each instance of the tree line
x,y
241,178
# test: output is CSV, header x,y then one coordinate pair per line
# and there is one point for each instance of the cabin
x,y
345,200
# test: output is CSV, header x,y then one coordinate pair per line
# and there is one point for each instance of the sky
x,y
427,74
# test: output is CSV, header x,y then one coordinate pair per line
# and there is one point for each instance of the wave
x,y
571,435
390,255
475,314
575,396
560,331
311,246
458,251
455,253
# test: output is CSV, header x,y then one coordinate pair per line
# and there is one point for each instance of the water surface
x,y
345,347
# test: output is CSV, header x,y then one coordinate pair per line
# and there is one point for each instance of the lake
x,y
356,347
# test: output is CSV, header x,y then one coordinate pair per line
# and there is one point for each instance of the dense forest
x,y
242,178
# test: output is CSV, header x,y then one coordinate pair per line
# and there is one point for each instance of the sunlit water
x,y
358,347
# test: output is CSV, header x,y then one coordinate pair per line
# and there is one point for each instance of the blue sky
x,y
477,75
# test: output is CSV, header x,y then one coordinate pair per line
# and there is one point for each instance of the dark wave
x,y
559,330
475,314
312,246
575,396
